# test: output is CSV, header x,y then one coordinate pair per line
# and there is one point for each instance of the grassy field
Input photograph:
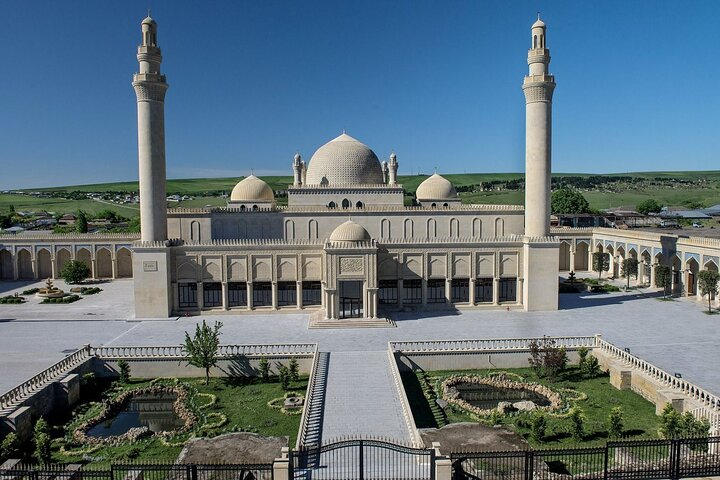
x,y
243,401
640,419
707,193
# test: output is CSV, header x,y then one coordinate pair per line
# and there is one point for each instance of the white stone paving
x,y
676,336
361,399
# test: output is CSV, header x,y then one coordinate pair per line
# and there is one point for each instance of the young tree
x,y
546,358
81,222
284,376
577,423
294,369
708,285
670,422
10,447
202,348
629,267
663,277
616,422
538,426
42,441
648,206
124,367
568,200
264,369
601,263
75,271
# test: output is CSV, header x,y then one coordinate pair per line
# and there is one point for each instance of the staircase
x,y
316,401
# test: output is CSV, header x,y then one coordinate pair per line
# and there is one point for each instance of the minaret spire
x,y
150,87
538,88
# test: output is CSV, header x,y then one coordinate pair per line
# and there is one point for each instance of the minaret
x,y
538,88
297,170
393,166
150,87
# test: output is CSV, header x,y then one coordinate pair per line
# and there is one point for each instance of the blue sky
x,y
251,83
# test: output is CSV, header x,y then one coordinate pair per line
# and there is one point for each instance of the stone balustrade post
x,y
281,465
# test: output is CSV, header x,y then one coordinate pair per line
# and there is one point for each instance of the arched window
x,y
346,203
332,205
313,229
431,228
384,228
499,227
454,228
445,205
434,205
359,205
255,207
535,45
242,208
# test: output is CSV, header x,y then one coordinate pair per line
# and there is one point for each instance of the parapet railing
x,y
308,402
439,346
178,351
702,396
16,395
404,403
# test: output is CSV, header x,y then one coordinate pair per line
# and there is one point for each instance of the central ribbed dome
x,y
350,232
344,161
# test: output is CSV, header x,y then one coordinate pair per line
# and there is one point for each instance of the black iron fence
x,y
642,459
362,460
140,471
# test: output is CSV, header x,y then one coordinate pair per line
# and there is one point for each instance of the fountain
x,y
49,291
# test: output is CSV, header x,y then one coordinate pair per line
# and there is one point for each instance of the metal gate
x,y
362,460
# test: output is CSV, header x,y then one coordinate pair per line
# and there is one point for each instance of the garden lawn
x,y
243,401
640,421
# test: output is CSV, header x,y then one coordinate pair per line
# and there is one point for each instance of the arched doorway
x,y
710,265
103,260
83,255
614,267
6,266
564,256
645,268
692,268
62,257
25,266
581,257
124,263
677,280
44,264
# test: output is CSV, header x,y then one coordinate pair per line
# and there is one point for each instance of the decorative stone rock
x,y
525,406
506,407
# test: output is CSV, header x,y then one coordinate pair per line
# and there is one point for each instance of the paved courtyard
x,y
676,336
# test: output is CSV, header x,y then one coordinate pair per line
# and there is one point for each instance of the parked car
x,y
697,225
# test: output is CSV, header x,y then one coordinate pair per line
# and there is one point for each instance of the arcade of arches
x,y
40,262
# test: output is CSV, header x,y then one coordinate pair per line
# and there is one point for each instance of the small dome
x,y
344,161
538,23
350,232
148,21
252,189
436,187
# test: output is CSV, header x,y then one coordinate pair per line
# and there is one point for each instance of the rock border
x,y
452,395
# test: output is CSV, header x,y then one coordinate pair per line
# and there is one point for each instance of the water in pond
x,y
488,397
153,411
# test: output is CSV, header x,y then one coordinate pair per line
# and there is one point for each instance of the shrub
x,y
538,426
546,358
124,371
577,423
30,291
582,353
591,367
74,272
65,299
10,447
42,441
91,291
294,369
670,422
264,369
615,422
11,299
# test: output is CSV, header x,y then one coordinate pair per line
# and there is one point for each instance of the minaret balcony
x,y
544,78
149,77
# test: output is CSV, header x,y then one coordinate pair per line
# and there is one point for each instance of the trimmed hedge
x,y
65,299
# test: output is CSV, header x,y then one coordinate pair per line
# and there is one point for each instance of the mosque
x,y
345,248
346,245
